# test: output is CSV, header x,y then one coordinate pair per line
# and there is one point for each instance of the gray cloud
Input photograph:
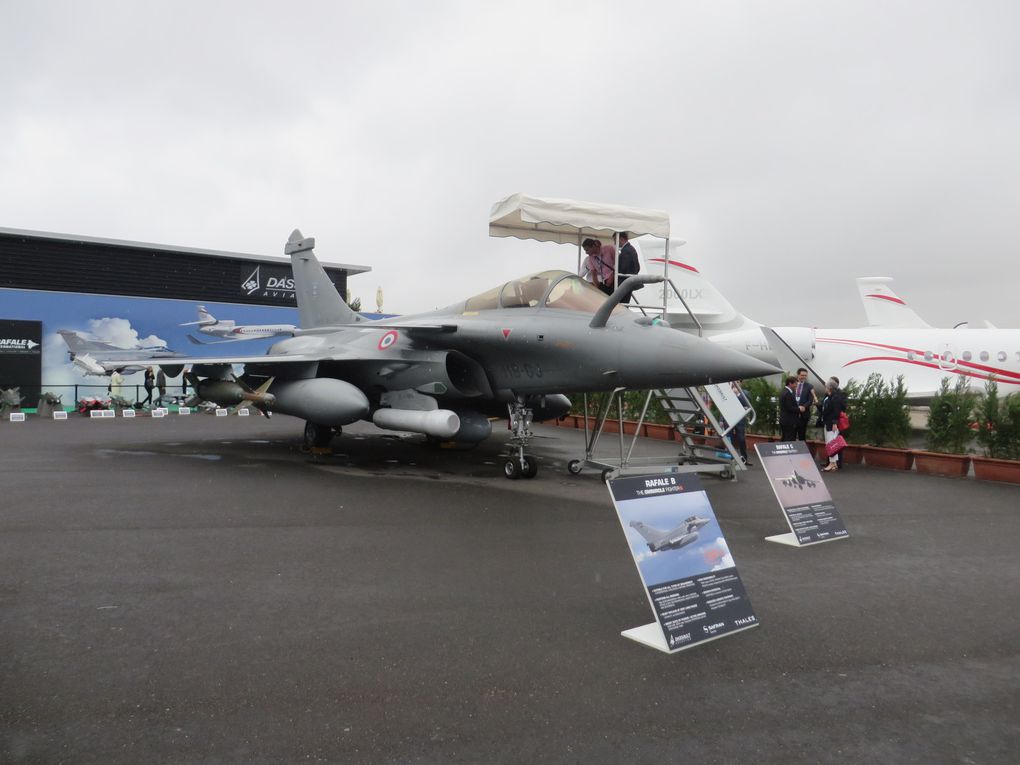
x,y
796,145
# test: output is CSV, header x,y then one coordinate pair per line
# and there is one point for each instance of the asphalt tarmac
x,y
197,590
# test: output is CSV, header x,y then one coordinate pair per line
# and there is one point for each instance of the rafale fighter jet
x,y
513,351
684,534
796,481
98,359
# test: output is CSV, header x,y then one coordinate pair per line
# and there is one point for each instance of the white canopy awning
x,y
567,220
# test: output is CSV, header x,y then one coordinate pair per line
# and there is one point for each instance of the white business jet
x,y
226,328
898,342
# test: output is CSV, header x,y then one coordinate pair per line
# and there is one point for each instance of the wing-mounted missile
x,y
88,365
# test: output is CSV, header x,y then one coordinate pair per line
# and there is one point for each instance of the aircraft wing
x,y
410,329
650,534
261,360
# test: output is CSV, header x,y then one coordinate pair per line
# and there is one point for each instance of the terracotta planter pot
x,y
661,432
853,454
753,438
936,463
817,450
989,469
890,459
630,427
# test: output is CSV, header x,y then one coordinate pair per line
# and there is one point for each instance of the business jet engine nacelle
x,y
800,339
752,342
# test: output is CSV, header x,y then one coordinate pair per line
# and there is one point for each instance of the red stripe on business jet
x,y
1001,373
675,263
887,297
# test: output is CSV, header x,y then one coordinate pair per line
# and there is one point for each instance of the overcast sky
x,y
796,145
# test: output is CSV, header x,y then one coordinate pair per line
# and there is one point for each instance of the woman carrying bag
x,y
834,419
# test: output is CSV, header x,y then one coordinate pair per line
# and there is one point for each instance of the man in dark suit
x,y
804,392
789,411
627,261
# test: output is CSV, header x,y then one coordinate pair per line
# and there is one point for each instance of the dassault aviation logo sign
x,y
275,282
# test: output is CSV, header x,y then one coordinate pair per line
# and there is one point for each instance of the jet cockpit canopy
x,y
549,289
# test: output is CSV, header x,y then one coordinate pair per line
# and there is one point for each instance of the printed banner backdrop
x,y
21,358
683,559
801,492
126,322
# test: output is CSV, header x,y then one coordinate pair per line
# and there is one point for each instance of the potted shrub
x,y
998,432
886,426
764,399
948,431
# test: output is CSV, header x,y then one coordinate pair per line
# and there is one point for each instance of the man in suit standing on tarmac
x,y
804,392
789,411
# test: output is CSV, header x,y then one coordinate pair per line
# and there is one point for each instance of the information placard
x,y
221,412
17,416
60,415
684,562
243,412
801,493
184,410
129,413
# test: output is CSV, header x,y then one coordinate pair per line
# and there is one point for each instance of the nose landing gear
x,y
518,463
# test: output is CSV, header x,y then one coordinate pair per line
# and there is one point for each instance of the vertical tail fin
x,y
319,303
883,307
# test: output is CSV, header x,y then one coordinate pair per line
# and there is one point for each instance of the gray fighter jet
x,y
796,481
98,359
513,351
684,534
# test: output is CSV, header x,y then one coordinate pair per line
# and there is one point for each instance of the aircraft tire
x,y
530,466
317,436
574,467
511,469
725,475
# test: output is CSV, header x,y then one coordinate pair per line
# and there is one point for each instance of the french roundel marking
x,y
388,339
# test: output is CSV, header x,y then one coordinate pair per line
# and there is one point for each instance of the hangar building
x,y
127,294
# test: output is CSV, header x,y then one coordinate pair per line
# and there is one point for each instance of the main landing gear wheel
x,y
511,469
574,467
317,436
530,466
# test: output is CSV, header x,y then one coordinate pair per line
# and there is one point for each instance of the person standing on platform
x,y
596,268
804,392
789,411
627,263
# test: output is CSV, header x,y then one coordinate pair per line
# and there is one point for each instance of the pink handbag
x,y
835,446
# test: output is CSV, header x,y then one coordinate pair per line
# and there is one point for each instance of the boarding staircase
x,y
704,438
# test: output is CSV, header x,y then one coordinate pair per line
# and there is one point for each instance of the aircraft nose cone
x,y
706,363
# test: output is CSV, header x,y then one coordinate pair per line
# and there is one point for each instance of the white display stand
x,y
649,635
788,538
102,414
17,416
184,410
221,412
129,413
157,413
243,412
60,415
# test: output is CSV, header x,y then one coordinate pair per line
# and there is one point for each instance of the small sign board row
x,y
104,414
685,564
